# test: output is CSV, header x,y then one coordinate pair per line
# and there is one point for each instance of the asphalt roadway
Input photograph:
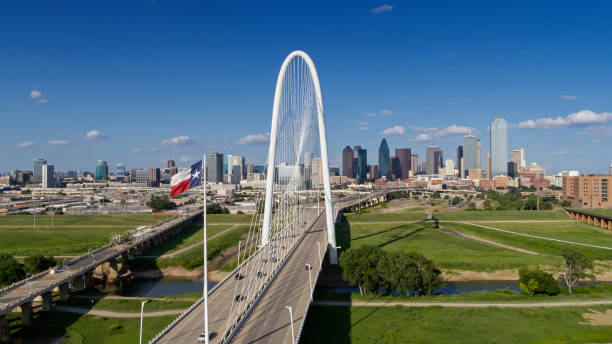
x,y
219,301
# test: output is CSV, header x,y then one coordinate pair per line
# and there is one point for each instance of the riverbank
x,y
181,273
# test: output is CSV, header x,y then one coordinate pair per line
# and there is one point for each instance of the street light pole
x,y
238,264
205,251
320,259
291,324
141,315
309,267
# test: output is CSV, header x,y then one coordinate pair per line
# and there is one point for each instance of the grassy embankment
x,y
71,235
605,212
192,258
339,324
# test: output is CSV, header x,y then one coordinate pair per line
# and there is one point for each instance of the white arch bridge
x,y
285,245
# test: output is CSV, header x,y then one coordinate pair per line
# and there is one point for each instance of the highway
x,y
26,290
219,302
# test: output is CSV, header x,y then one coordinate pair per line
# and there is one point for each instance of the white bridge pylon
x,y
294,164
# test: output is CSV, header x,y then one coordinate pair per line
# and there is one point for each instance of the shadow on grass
x,y
48,326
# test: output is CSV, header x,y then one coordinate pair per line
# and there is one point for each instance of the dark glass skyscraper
x,y
404,155
384,162
347,162
38,164
360,156
459,158
102,170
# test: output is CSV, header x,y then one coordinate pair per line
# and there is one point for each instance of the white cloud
x,y
95,135
38,96
58,142
25,144
432,133
178,141
456,130
596,141
385,112
569,97
423,138
369,114
364,128
581,118
363,123
35,94
184,158
254,139
425,129
136,149
393,131
382,9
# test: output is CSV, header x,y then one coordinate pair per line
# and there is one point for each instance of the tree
x,y
471,206
538,282
359,267
399,272
160,203
37,263
10,270
576,267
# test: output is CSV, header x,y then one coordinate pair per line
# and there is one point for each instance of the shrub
x,y
538,282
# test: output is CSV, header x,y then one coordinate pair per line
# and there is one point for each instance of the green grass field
x,y
446,250
343,325
605,212
79,329
71,235
127,306
541,246
500,215
408,216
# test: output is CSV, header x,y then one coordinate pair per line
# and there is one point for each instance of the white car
x,y
202,337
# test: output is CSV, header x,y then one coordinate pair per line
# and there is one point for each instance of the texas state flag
x,y
186,179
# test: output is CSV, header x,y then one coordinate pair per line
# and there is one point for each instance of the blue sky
x,y
145,81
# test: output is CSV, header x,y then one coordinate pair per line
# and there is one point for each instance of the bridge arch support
x,y
301,69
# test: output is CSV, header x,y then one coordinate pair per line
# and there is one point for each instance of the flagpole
x,y
205,253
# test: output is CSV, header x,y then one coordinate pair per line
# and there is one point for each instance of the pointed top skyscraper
x,y
384,161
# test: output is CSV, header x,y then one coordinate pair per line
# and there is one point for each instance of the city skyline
x,y
431,85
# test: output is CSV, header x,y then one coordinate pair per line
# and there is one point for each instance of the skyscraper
x,y
405,156
499,147
414,164
48,176
384,162
459,160
470,153
478,154
170,164
38,163
154,177
102,170
361,163
235,160
214,167
439,162
432,160
518,157
347,162
120,172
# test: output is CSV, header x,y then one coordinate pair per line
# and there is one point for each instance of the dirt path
x,y
487,242
111,314
537,236
464,304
